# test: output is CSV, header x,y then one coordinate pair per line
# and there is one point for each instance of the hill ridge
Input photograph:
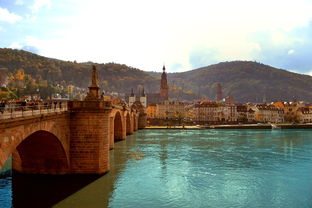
x,y
246,81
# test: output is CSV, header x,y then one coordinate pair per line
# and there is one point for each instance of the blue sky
x,y
145,34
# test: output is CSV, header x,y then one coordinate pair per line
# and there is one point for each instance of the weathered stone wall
x,y
142,121
15,131
89,133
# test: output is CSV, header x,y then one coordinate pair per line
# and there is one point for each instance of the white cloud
x,y
19,2
15,45
145,34
38,4
291,51
6,16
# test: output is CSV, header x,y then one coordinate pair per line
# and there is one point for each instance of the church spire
x,y
164,89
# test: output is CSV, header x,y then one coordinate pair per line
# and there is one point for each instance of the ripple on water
x,y
207,168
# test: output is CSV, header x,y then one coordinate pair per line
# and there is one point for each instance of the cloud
x,y
201,57
38,4
19,2
30,48
293,51
175,67
195,34
6,16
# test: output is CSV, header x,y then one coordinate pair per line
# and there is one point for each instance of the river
x,y
183,168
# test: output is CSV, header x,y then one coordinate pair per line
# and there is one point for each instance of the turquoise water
x,y
175,168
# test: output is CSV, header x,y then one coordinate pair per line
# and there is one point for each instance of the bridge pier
x,y
89,136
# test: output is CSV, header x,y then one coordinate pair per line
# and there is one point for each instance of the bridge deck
x,y
11,113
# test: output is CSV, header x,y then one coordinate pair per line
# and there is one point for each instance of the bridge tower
x,y
131,98
143,99
89,132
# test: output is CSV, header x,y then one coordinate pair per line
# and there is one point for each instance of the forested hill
x,y
246,81
113,77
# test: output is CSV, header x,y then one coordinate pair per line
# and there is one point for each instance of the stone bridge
x,y
76,141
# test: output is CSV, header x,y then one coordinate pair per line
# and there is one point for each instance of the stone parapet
x,y
89,105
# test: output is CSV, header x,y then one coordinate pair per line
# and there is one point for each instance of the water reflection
x,y
210,168
45,191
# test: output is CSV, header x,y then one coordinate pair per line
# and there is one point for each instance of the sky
x,y
181,34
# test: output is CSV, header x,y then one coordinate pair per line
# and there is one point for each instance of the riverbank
x,y
237,126
175,127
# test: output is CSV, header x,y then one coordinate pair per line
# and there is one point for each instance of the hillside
x,y
113,77
245,81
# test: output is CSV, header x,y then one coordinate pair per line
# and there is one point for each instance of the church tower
x,y
163,85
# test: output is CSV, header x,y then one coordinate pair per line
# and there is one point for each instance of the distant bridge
x,y
74,139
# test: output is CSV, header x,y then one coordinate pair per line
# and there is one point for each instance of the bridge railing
x,y
15,111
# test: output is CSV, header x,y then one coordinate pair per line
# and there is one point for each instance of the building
x,y
250,116
170,109
164,89
229,113
241,113
304,115
151,111
290,110
212,112
190,115
207,112
268,113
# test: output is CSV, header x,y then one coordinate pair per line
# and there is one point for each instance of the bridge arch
x,y
41,153
118,127
14,132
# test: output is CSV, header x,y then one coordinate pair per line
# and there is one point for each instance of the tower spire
x,y
164,85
